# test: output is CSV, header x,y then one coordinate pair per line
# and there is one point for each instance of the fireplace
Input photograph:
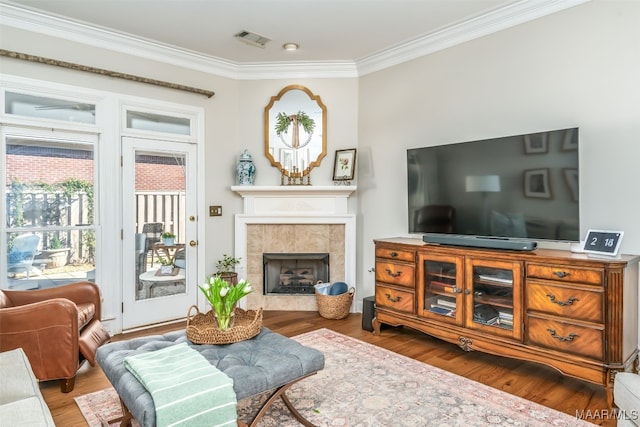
x,y
294,220
294,273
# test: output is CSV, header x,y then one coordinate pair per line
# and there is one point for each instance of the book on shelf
x,y
485,314
446,302
443,307
497,279
441,310
506,322
505,314
441,286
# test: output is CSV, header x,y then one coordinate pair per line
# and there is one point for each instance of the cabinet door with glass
x,y
493,297
440,287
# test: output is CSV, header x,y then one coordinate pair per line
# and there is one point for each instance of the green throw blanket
x,y
186,389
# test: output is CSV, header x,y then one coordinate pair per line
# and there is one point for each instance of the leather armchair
x,y
58,328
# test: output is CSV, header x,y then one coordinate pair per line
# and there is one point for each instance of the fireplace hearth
x,y
294,273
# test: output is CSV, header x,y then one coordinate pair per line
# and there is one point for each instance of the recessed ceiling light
x,y
290,46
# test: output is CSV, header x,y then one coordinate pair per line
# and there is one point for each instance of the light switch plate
x,y
215,210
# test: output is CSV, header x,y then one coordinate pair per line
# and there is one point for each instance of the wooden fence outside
x,y
167,208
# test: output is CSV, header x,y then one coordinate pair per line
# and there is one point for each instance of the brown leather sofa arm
x,y
47,331
79,293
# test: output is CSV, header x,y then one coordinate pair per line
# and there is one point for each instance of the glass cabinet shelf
x,y
440,288
492,297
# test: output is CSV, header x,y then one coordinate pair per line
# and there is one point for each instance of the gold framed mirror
x,y
295,130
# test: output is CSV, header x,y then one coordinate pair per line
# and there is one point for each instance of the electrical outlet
x,y
215,210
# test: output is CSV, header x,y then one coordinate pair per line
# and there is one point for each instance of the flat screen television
x,y
522,186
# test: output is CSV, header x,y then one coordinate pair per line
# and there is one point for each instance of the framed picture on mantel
x,y
344,165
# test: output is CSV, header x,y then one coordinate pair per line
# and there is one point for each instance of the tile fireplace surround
x,y
294,219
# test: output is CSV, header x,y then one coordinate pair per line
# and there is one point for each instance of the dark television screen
x,y
523,186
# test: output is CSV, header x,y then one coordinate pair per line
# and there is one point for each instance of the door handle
x,y
193,243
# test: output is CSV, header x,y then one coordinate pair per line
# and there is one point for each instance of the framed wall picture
x,y
344,165
536,143
536,183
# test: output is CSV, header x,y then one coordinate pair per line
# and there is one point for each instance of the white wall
x,y
578,67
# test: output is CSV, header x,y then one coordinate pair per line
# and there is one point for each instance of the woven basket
x,y
203,328
335,306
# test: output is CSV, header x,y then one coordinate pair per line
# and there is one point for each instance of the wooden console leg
x,y
376,326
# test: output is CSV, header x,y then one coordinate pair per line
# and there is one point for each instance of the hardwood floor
x,y
528,380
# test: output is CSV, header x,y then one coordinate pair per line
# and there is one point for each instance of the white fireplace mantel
x,y
271,205
294,199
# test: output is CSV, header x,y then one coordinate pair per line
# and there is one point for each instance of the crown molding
x,y
471,29
488,23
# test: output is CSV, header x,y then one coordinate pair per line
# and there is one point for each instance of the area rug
x,y
365,385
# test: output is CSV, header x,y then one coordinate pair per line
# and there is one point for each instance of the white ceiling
x,y
357,32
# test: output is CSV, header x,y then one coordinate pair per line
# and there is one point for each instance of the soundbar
x,y
480,241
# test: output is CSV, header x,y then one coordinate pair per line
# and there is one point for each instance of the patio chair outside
x,y
141,253
22,253
153,231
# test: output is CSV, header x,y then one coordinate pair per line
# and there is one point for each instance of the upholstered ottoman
x,y
267,362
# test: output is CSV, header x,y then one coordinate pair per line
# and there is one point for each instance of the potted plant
x,y
168,238
166,266
226,268
55,254
223,297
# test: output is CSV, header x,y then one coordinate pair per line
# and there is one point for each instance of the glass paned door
x,y
50,222
441,290
159,230
495,297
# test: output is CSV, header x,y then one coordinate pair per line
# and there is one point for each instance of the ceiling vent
x,y
252,38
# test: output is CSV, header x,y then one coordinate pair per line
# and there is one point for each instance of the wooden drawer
x,y
398,274
566,273
566,337
399,255
393,298
566,301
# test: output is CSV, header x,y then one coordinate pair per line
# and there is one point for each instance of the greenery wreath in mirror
x,y
301,118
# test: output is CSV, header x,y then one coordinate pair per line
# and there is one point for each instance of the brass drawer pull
x,y
392,274
393,254
560,337
562,303
562,274
396,299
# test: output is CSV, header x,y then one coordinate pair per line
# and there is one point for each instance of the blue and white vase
x,y
246,170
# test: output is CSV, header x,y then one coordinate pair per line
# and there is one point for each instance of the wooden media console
x,y
575,313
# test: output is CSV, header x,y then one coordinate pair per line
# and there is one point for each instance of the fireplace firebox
x,y
294,273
